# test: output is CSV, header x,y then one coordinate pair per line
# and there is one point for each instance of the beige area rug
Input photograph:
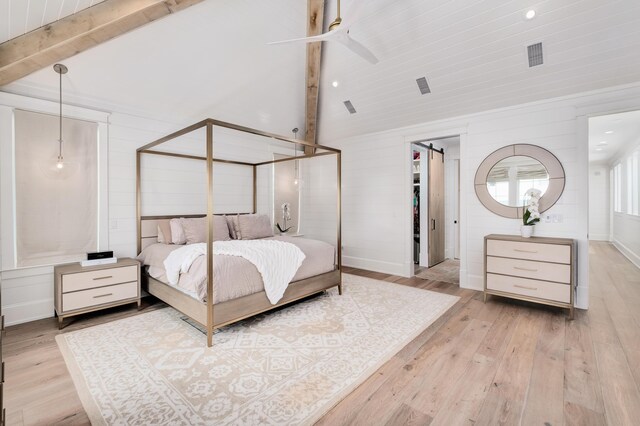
x,y
287,367
447,271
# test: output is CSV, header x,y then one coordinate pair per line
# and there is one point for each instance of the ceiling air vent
x,y
350,107
423,85
534,52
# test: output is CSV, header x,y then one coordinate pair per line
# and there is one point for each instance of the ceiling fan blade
x,y
357,48
321,37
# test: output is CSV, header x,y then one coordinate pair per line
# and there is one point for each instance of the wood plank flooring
x,y
502,362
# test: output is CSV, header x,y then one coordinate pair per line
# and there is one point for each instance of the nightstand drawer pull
x,y
103,295
525,287
103,278
525,251
525,269
84,280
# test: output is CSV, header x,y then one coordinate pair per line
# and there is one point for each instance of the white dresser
x,y
79,290
537,269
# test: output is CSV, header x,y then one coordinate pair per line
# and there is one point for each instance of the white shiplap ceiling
x,y
212,60
18,17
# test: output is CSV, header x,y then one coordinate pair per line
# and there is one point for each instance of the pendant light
x,y
60,69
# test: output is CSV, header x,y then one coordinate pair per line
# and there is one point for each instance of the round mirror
x,y
510,178
506,174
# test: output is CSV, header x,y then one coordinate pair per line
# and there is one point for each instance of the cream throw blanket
x,y
277,261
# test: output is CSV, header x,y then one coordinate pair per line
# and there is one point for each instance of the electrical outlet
x,y
547,218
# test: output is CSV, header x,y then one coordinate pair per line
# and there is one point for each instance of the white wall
x,y
625,227
599,205
376,181
170,187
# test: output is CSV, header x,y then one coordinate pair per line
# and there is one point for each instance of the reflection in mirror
x,y
511,177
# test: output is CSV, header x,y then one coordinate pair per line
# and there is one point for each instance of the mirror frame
x,y
546,158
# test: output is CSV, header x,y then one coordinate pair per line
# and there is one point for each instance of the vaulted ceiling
x,y
21,16
212,60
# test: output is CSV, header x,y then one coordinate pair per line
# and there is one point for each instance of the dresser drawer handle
x,y
525,287
103,295
525,251
103,278
525,269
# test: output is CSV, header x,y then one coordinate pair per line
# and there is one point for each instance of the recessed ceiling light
x,y
530,14
598,149
608,132
335,83
603,143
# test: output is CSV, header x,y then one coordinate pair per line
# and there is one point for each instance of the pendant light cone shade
x,y
60,69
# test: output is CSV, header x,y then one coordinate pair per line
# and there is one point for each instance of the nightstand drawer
x,y
99,296
99,278
530,251
531,288
527,269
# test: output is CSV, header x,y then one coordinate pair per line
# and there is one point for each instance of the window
x,y
617,188
56,209
633,184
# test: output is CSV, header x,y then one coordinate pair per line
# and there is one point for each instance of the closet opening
x,y
435,168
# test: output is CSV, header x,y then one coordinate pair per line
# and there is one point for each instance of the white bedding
x,y
276,261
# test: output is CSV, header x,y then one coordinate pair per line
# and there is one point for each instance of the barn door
x,y
436,207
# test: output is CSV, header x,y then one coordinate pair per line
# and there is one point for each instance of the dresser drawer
x,y
530,251
98,278
98,296
531,288
527,269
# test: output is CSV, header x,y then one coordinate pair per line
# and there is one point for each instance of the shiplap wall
x,y
376,181
171,186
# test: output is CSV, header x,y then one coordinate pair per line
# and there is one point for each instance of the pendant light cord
x,y
60,139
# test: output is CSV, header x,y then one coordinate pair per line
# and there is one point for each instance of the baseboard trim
x,y
374,265
599,237
628,253
19,313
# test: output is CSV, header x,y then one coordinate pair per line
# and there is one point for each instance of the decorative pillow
x,y
177,233
254,226
195,230
164,233
231,224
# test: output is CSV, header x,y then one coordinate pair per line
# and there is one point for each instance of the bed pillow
x,y
164,232
195,230
177,233
232,224
253,226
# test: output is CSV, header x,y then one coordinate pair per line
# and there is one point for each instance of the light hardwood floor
x,y
502,362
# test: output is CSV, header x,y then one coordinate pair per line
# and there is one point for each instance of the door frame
x,y
407,217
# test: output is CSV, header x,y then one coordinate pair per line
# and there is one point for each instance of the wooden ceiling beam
x,y
75,33
315,21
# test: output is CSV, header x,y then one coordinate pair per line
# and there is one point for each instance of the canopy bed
x,y
232,290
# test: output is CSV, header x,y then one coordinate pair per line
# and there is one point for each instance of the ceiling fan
x,y
339,32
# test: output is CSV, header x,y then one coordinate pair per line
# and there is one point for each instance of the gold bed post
x,y
209,234
339,176
138,206
255,192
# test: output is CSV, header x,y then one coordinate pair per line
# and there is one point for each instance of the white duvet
x,y
277,261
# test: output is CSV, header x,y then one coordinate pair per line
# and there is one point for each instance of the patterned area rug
x,y
287,367
447,271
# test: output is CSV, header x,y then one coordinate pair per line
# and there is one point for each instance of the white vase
x,y
526,231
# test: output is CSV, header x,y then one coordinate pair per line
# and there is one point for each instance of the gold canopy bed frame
x,y
234,310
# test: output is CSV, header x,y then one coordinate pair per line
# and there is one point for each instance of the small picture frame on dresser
x,y
537,269
79,290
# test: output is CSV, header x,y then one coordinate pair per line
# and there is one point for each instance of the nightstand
x,y
80,290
